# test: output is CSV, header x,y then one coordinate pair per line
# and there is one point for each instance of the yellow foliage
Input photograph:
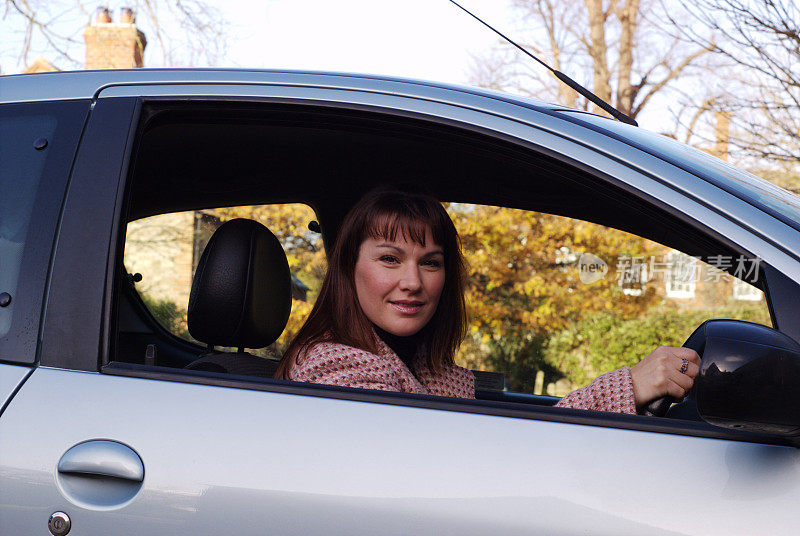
x,y
519,291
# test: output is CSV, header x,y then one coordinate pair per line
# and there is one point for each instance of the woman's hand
x,y
660,374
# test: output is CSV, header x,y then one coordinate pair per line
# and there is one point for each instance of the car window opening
x,y
211,165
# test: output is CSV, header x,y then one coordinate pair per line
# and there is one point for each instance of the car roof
x,y
63,85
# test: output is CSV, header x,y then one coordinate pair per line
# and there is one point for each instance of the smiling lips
x,y
407,307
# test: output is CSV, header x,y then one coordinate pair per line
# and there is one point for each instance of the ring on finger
x,y
684,365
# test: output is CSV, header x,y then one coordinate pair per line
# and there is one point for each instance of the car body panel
x,y
252,462
11,377
221,459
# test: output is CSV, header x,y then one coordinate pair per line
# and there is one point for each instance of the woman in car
x,y
391,315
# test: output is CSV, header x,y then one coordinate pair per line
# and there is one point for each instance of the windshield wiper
x,y
561,76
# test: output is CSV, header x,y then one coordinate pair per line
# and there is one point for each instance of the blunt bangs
x,y
409,222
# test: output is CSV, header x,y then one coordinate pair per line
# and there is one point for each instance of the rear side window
x,y
37,144
162,253
22,140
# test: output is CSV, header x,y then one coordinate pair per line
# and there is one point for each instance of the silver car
x,y
111,422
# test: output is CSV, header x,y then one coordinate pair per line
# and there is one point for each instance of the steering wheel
x,y
696,342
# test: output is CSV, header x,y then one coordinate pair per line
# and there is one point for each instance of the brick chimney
x,y
114,45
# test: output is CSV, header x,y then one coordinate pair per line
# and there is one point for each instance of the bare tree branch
x,y
620,47
762,41
181,32
671,75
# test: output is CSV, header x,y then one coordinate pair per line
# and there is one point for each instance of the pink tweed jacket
x,y
338,364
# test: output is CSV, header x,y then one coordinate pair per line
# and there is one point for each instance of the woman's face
x,y
399,283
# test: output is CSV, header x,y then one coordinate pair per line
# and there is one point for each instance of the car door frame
x,y
87,251
80,285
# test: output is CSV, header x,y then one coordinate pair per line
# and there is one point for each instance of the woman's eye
x,y
432,263
391,259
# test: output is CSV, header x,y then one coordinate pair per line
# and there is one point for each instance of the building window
x,y
746,291
681,275
632,276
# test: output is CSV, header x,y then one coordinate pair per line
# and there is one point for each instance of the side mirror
x,y
749,378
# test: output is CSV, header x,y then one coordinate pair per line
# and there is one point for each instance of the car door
x,y
138,450
225,459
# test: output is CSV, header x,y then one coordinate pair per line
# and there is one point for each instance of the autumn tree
x,y
617,48
524,285
184,32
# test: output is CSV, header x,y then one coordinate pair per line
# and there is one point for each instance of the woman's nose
x,y
410,279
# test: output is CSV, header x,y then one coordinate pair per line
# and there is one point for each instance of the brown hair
x,y
337,315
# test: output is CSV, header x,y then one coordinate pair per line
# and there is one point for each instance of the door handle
x,y
102,457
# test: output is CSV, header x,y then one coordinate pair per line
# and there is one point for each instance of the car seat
x,y
240,298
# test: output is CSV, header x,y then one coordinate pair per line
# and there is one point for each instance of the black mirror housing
x,y
750,377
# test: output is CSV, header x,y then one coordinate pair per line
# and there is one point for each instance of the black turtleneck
x,y
405,347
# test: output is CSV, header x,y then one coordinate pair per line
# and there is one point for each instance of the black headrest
x,y
242,291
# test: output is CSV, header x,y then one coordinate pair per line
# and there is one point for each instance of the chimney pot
x,y
103,15
114,46
127,16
